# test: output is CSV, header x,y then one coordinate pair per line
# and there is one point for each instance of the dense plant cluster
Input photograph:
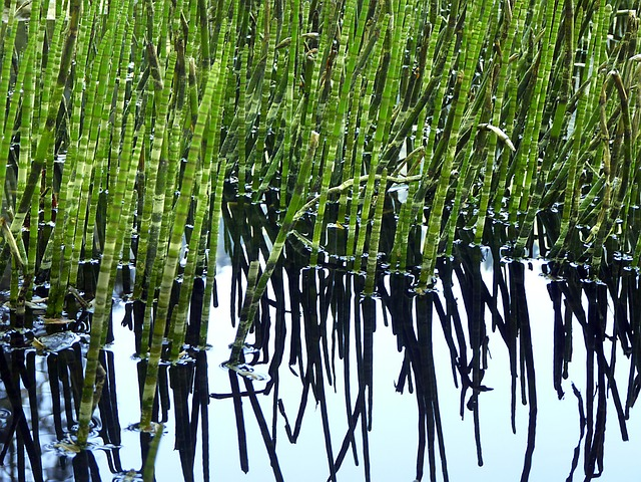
x,y
124,122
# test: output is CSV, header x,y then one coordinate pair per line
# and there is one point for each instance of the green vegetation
x,y
129,124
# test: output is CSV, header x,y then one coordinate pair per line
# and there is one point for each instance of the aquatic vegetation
x,y
374,136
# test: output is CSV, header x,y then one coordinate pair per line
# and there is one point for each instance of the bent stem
x,y
247,317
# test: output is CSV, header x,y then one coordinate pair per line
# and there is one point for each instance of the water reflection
x,y
341,386
481,309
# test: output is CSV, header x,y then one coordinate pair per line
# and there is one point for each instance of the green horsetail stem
x,y
528,152
218,172
172,149
355,200
500,181
416,117
398,260
173,253
157,170
418,113
600,228
268,53
203,27
122,184
48,134
61,239
31,253
8,41
347,168
247,319
53,61
38,27
163,24
392,82
571,188
375,237
192,105
600,54
9,128
374,63
123,83
294,12
115,36
467,161
617,177
530,201
584,101
177,329
28,98
240,116
430,246
409,78
432,156
211,147
102,303
334,116
144,209
89,170
366,212
75,223
310,104
123,236
154,272
261,183
464,176
130,232
510,26
21,260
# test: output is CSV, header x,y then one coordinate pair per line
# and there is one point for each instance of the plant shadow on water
x,y
340,385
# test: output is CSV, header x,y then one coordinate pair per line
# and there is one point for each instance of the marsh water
x,y
401,386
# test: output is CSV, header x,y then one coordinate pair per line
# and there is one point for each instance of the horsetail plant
x,y
206,110
442,122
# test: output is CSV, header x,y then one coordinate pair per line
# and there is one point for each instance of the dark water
x,y
372,385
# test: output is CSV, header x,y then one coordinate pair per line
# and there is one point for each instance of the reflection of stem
x,y
240,423
517,270
577,450
264,431
22,430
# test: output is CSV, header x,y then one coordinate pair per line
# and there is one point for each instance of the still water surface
x,y
390,446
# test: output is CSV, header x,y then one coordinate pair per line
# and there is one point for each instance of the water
x,y
318,341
